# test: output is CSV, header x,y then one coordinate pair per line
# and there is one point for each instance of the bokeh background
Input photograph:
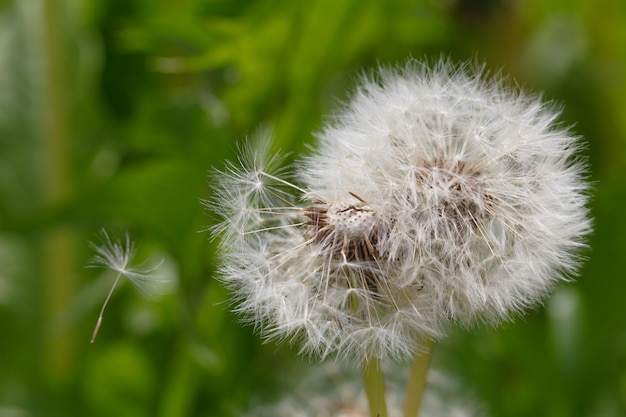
x,y
113,111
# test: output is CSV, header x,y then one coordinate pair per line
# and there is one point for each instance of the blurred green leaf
x,y
119,381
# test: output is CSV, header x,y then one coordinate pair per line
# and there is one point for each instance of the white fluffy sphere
x,y
435,195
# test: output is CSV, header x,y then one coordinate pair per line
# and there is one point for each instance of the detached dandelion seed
x,y
117,256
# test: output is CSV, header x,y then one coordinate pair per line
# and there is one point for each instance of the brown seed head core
x,y
348,229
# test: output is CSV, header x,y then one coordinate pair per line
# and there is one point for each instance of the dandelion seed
x,y
117,256
435,196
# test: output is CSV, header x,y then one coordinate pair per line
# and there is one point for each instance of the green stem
x,y
56,184
417,381
374,382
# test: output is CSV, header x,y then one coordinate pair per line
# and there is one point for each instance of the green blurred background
x,y
113,111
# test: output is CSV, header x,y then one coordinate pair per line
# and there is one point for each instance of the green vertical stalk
x,y
374,382
59,247
417,381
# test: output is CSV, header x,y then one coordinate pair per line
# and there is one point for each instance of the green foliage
x,y
113,111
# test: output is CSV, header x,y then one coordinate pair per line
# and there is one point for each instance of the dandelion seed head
x,y
335,391
435,196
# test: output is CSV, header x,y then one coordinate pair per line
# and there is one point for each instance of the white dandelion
x,y
117,256
435,196
334,391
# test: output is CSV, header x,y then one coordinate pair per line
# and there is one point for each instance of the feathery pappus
x,y
436,195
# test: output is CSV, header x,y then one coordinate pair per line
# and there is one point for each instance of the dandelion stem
x,y
104,306
417,381
374,382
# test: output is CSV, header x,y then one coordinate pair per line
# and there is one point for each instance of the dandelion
x,y
333,391
435,196
117,256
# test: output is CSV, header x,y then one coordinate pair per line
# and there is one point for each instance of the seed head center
x,y
348,228
355,222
